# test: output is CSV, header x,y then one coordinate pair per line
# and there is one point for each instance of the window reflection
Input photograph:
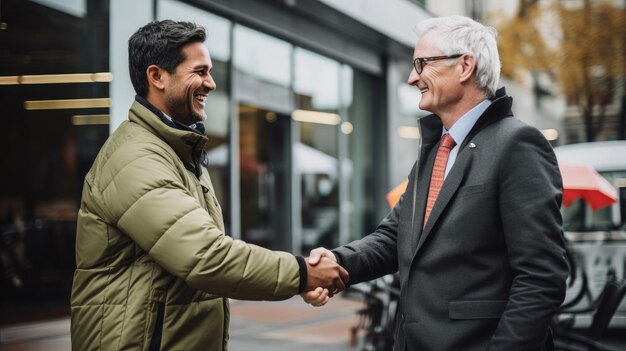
x,y
362,142
346,86
46,156
317,77
262,56
264,177
317,86
315,162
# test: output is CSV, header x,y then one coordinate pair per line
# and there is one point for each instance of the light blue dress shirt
x,y
461,128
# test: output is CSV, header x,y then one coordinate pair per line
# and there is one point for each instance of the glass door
x,y
316,168
265,171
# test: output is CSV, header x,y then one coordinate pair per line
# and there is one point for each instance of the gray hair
x,y
460,35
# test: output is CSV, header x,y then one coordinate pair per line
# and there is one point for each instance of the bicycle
x,y
374,330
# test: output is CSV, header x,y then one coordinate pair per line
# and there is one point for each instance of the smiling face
x,y
439,81
186,89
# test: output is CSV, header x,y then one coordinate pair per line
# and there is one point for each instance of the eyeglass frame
x,y
422,60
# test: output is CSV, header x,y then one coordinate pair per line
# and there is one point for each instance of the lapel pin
x,y
472,146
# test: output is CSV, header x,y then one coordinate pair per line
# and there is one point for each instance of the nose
x,y
413,77
209,83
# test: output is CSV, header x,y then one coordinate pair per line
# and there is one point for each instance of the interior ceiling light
x,y
99,77
82,120
66,104
347,128
9,80
316,117
407,132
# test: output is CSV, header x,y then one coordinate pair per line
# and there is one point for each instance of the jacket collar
x,y
500,108
190,146
197,127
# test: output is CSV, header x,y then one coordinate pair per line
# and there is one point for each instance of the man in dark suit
x,y
477,236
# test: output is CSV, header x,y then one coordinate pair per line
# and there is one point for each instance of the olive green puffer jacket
x,y
151,253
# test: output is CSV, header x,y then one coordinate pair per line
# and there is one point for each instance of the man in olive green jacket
x,y
154,268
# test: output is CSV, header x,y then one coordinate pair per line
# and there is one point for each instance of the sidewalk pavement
x,y
261,326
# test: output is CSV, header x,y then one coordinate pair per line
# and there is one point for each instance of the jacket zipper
x,y
155,342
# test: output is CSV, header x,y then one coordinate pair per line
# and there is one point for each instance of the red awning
x,y
582,181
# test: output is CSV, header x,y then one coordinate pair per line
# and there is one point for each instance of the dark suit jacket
x,y
488,270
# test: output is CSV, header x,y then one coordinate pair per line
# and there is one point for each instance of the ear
x,y
155,77
467,65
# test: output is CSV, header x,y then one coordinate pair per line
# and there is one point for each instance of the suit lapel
x,y
422,184
430,130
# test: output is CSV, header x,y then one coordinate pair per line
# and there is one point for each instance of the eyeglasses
x,y
419,62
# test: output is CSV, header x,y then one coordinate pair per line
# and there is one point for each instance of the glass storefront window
x,y
363,143
346,86
317,151
264,176
317,77
316,84
402,122
262,56
48,145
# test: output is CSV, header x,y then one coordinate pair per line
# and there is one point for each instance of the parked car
x,y
596,237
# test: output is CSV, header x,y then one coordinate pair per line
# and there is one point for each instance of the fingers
x,y
318,297
339,285
313,260
345,276
317,254
341,281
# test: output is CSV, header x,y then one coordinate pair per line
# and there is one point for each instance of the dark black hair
x,y
159,43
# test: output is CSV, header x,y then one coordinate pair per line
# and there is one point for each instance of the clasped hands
x,y
325,277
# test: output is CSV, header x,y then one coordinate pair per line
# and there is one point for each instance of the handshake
x,y
325,277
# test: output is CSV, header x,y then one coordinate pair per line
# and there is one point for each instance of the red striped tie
x,y
439,169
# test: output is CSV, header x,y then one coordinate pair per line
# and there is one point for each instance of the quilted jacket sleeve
x,y
145,197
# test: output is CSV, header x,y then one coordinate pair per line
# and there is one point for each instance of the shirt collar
x,y
462,127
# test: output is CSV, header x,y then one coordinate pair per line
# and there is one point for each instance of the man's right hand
x,y
324,272
321,294
317,254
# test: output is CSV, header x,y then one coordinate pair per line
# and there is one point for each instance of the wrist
x,y
303,273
